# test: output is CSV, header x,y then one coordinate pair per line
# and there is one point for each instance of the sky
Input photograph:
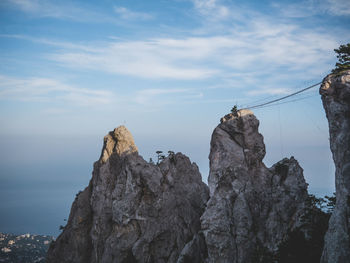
x,y
71,71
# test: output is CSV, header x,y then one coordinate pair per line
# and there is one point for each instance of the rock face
x,y
134,211
251,208
335,91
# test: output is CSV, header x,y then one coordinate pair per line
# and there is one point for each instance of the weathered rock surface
x,y
335,91
135,211
132,210
251,207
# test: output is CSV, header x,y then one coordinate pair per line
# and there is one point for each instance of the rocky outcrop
x,y
134,211
335,92
251,208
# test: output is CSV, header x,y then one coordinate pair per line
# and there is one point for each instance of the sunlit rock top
x,y
119,141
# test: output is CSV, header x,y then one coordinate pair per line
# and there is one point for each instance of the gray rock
x,y
76,234
133,211
335,92
195,251
250,205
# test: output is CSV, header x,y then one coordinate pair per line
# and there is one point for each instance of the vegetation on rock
x,y
343,55
305,243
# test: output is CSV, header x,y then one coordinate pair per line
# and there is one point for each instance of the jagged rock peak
x,y
335,92
243,129
240,113
118,141
236,142
133,210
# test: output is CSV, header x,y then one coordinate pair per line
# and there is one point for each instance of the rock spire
x,y
251,208
335,93
132,210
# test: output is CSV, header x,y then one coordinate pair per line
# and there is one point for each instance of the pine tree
x,y
343,55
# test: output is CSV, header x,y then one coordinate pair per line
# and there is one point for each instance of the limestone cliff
x,y
251,207
135,211
132,210
335,92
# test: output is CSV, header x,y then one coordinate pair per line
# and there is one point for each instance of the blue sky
x,y
71,71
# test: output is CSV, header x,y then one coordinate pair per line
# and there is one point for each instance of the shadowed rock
x,y
335,91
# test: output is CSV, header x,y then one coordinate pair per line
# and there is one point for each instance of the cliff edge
x,y
335,94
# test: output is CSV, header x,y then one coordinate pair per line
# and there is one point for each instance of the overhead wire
x,y
267,98
290,95
285,102
282,98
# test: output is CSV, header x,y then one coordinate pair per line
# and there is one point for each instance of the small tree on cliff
x,y
343,55
160,156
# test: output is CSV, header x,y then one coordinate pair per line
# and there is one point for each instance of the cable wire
x,y
282,98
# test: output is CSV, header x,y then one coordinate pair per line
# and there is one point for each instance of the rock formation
x,y
335,92
135,211
132,210
251,208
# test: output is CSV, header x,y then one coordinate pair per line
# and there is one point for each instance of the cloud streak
x,y
212,9
263,46
156,58
249,52
309,8
339,7
44,8
127,14
48,90
164,96
69,11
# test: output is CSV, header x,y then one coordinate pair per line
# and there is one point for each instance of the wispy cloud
x,y
339,7
263,46
52,42
69,11
127,14
58,10
212,9
165,96
309,8
45,8
249,52
156,58
270,91
48,90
